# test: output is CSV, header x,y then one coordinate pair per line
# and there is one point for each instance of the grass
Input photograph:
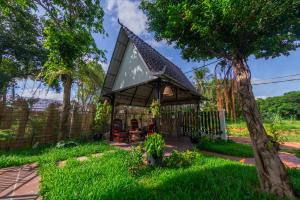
x,y
288,128
227,148
297,153
107,177
49,154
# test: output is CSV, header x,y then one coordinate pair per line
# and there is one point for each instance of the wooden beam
x,y
133,95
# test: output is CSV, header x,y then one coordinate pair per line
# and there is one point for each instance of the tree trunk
x,y
219,96
226,97
233,94
64,118
271,171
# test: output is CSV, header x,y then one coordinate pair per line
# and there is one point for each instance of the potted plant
x,y
195,137
154,146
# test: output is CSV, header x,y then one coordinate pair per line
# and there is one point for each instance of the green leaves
x,y
68,37
154,145
21,52
225,28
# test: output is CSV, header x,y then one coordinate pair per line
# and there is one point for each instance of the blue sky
x,y
130,15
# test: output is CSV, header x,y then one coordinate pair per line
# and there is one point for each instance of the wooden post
x,y
197,117
158,98
112,116
22,118
223,125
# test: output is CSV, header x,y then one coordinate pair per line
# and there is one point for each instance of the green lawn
x,y
49,154
297,153
107,177
228,148
288,128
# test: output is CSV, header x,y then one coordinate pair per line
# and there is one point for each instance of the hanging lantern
x,y
168,91
106,101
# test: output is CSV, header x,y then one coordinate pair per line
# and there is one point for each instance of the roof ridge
x,y
125,27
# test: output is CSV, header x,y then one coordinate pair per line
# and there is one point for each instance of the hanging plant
x,y
155,108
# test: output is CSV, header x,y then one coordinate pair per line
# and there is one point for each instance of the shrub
x,y
135,160
64,144
180,159
6,134
274,133
154,146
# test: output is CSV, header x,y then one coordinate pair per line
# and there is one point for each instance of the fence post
x,y
52,121
23,117
223,125
75,124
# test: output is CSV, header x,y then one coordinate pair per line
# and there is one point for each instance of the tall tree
x,y
233,30
91,78
205,85
21,52
68,32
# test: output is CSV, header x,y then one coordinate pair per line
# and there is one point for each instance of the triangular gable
x,y
135,63
132,69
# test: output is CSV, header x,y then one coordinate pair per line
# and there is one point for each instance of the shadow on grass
x,y
227,182
107,177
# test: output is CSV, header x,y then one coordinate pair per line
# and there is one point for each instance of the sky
x,y
130,15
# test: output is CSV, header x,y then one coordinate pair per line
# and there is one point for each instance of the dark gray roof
x,y
157,63
161,68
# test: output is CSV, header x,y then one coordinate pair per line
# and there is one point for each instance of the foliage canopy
x,y
226,29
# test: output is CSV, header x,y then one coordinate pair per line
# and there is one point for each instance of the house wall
x,y
132,69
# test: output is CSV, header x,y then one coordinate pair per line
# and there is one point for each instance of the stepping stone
x,y
19,182
97,155
82,158
61,164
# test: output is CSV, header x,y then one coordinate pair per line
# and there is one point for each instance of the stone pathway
x,y
63,163
22,183
247,140
289,160
179,144
19,183
183,144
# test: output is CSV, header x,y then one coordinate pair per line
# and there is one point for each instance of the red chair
x,y
151,129
134,132
118,134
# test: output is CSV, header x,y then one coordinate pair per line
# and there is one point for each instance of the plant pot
x,y
154,160
97,136
195,140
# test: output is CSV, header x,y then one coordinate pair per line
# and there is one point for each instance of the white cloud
x,y
156,44
105,66
128,12
261,97
169,57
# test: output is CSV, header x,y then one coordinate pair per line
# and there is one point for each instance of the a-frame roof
x,y
159,66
